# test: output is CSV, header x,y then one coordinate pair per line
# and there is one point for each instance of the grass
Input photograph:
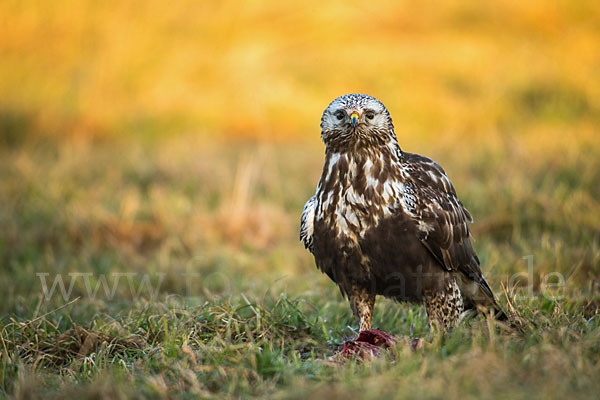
x,y
190,280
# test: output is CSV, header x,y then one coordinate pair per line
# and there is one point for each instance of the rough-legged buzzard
x,y
386,222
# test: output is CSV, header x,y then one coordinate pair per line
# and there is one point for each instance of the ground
x,y
217,296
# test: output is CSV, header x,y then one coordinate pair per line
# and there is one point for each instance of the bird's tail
x,y
478,295
499,314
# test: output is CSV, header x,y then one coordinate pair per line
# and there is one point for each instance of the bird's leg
x,y
444,307
362,304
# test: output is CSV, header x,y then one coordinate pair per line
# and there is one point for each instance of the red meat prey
x,y
367,345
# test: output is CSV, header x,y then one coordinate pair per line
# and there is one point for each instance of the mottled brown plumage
x,y
386,222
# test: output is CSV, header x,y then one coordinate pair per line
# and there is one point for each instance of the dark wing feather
x,y
443,220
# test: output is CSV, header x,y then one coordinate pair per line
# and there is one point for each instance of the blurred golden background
x,y
267,69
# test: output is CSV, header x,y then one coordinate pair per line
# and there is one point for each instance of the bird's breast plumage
x,y
357,191
364,229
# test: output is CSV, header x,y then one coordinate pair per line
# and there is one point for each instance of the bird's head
x,y
355,121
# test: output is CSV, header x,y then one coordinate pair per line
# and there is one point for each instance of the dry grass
x,y
233,305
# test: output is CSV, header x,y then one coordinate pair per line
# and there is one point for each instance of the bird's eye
x,y
370,115
340,115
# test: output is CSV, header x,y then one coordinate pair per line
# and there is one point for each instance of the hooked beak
x,y
354,120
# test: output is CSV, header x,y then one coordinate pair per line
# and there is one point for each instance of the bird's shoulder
x,y
427,174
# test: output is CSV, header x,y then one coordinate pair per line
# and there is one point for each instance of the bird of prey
x,y
387,222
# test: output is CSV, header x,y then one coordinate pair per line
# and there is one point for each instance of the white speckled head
x,y
356,120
